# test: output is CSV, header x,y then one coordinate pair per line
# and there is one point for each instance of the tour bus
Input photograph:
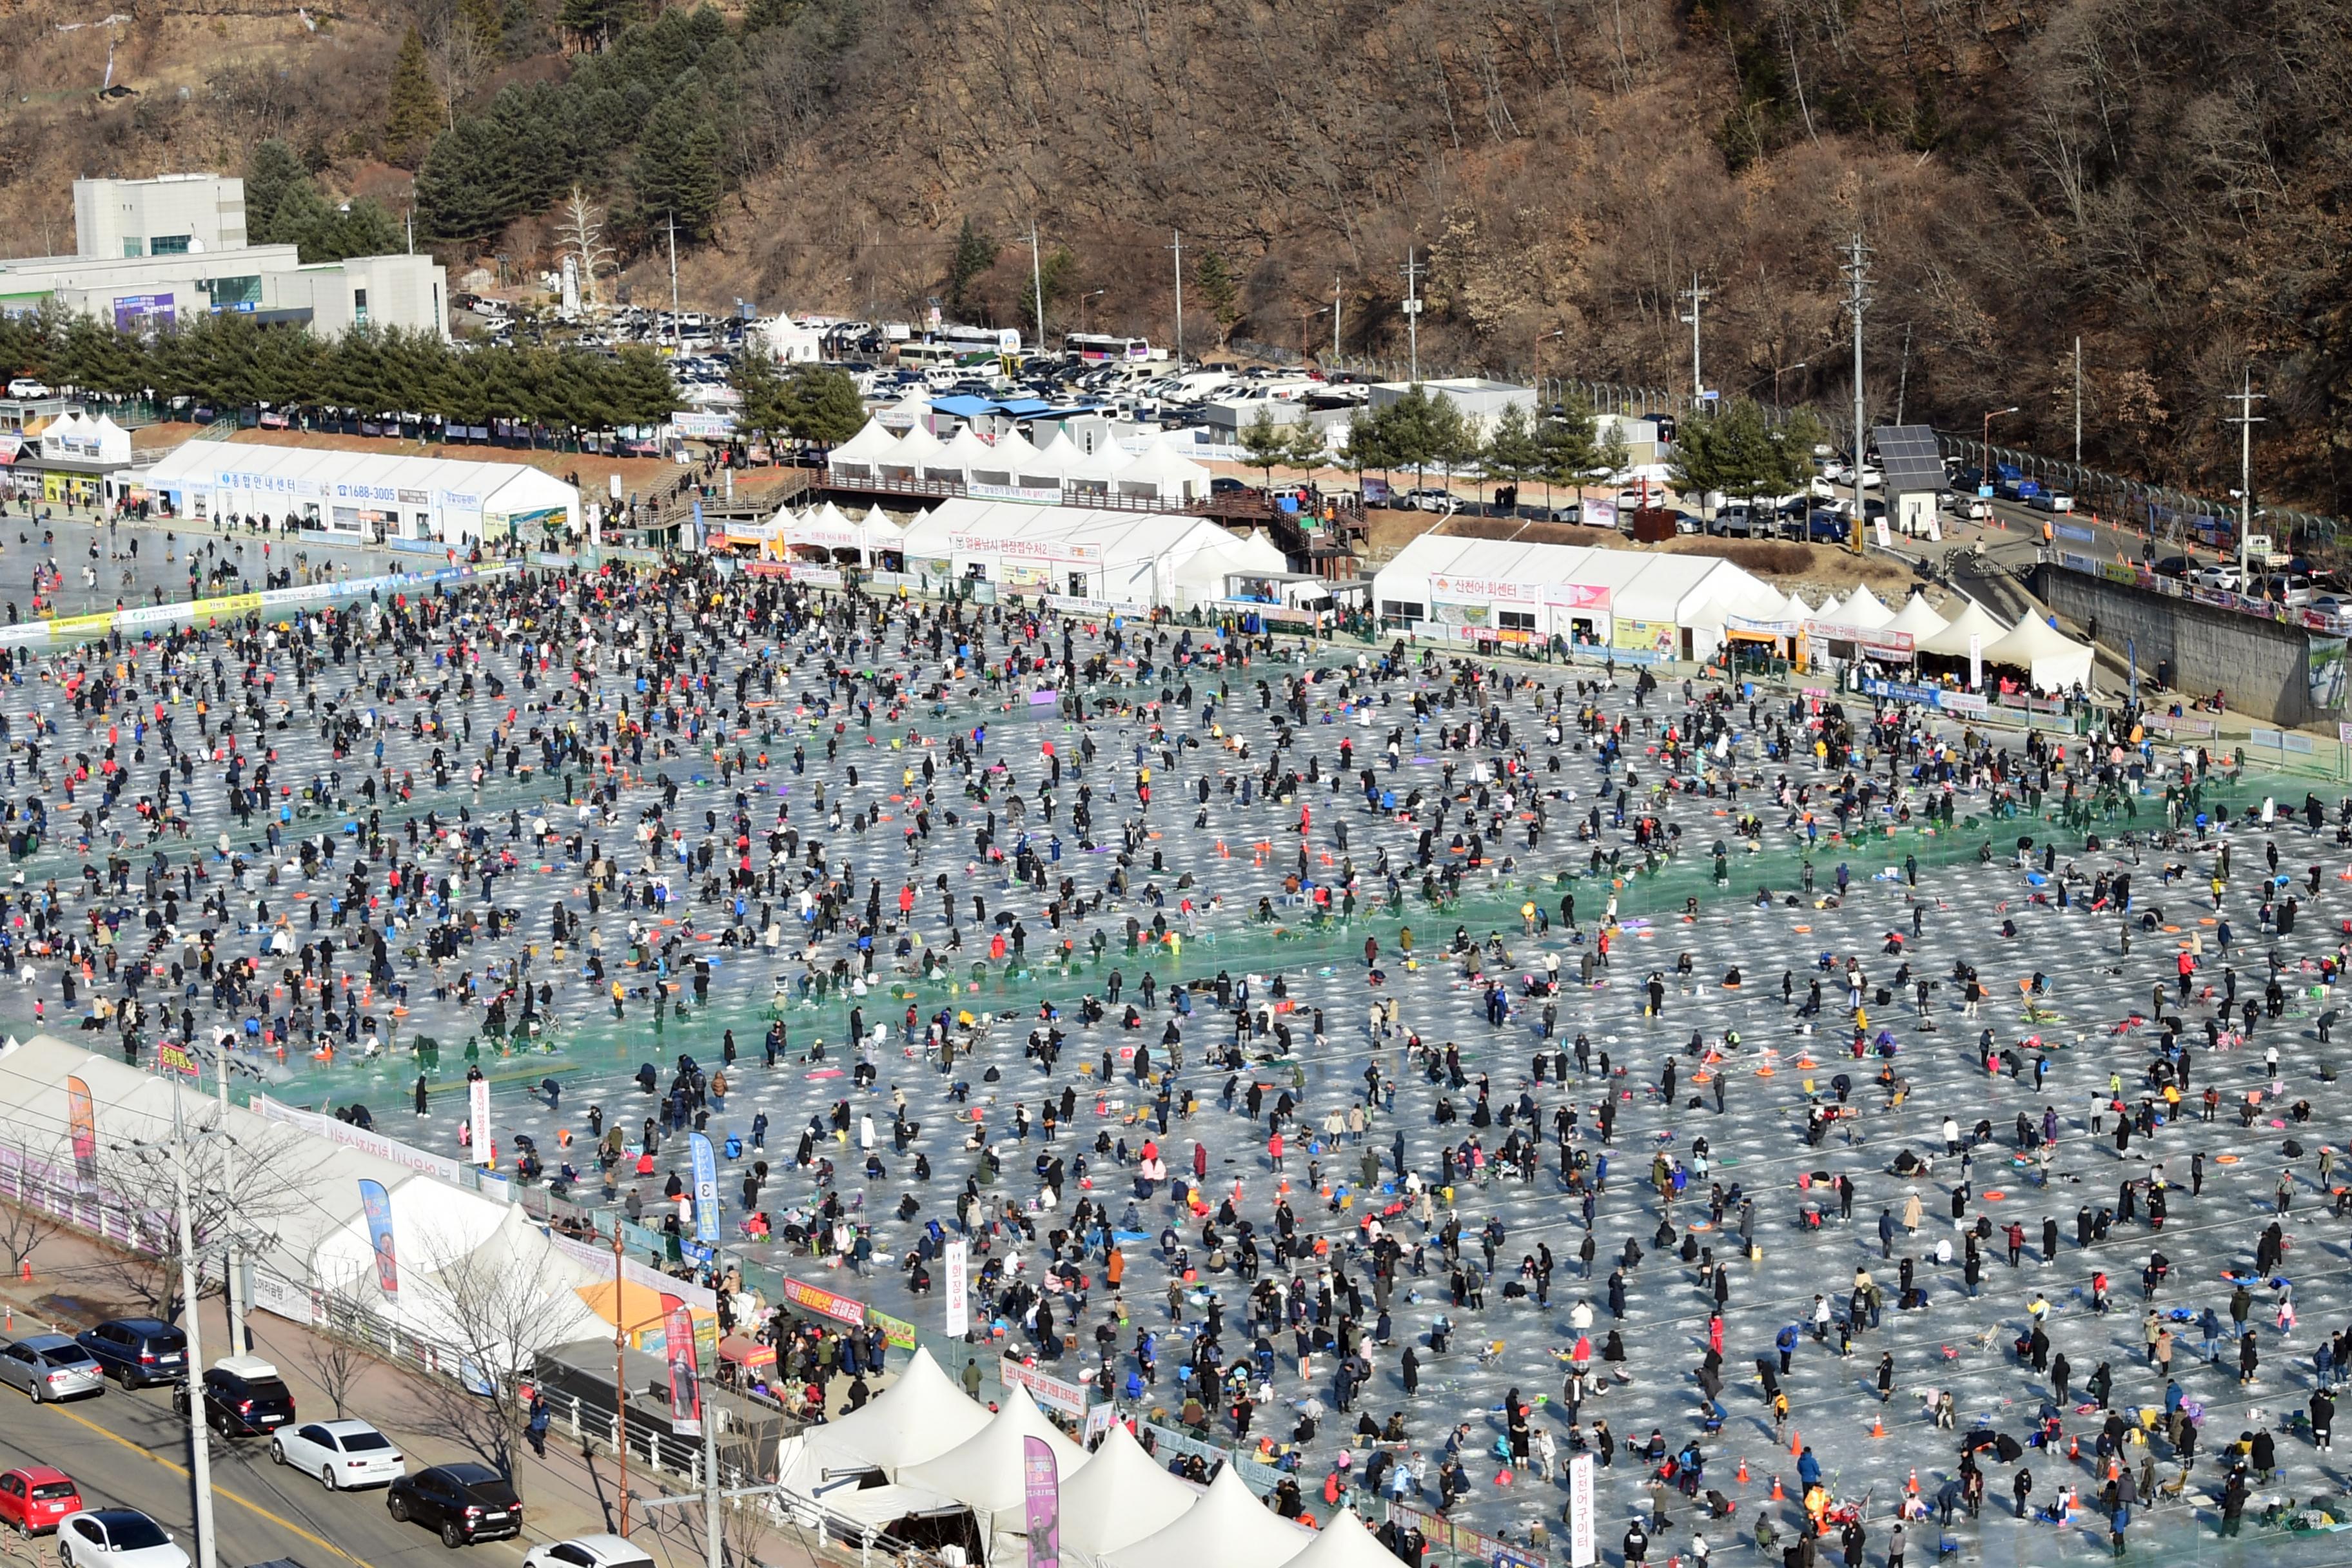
x,y
1102,348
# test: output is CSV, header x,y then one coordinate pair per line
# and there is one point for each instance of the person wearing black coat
x,y
2323,1417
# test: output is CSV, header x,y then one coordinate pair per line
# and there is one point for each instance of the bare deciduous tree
x,y
580,232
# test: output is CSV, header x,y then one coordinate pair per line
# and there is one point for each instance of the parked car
x,y
588,1551
137,1352
116,1538
340,1454
244,1397
36,1497
1224,485
2287,588
1429,497
2174,567
1738,521
2222,575
465,1502
25,386
2052,501
1828,528
50,1366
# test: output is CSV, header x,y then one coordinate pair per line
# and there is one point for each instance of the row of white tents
x,y
1011,468
1686,605
1117,557
2052,661
923,1450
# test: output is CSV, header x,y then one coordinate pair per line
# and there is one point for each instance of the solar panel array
x,y
1910,458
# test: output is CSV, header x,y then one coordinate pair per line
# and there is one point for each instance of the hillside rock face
x,y
2159,179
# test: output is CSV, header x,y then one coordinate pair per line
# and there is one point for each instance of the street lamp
x,y
1085,302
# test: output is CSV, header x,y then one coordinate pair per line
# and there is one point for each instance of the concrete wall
x,y
2262,667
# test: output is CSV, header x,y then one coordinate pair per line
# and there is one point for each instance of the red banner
x,y
824,1304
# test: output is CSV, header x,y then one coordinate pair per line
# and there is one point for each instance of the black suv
x,y
137,1352
244,1397
465,1502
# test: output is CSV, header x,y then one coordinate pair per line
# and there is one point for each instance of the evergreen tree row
x,y
230,361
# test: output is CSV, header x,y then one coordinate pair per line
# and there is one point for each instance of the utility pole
x,y
1178,248
1037,283
1697,297
2245,419
1903,380
1857,277
2078,400
200,1456
1334,318
229,1240
620,1386
676,327
1412,271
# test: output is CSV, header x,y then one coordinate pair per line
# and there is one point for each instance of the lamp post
x,y
1984,471
1778,372
1087,301
1535,354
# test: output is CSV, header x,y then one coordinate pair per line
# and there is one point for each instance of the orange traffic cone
x,y
1776,1494
1912,1486
1796,1442
1877,1427
2073,1447
1743,1470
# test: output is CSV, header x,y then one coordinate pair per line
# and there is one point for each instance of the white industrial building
x,y
173,248
446,501
1121,558
1480,402
1631,601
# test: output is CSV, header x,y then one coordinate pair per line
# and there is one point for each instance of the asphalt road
x,y
127,1449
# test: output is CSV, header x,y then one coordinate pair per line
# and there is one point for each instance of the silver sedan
x,y
50,1366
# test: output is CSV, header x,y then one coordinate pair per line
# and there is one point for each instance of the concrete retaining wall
x,y
2195,649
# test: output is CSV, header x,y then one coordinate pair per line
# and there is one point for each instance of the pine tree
x,y
975,253
1219,293
675,171
273,175
822,405
414,113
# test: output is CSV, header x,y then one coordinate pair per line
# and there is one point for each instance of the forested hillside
x,y
2159,178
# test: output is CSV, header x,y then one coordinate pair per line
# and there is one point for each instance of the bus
x,y
951,355
1102,348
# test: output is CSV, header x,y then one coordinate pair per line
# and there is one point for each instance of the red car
x,y
36,1497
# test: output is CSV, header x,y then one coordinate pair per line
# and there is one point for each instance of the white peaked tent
x,y
919,1417
1831,611
1040,469
915,448
957,460
881,532
2052,661
856,457
1060,452
1122,1496
984,1472
1974,620
1160,473
1228,1528
1344,1542
1097,469
1919,619
1798,610
1863,610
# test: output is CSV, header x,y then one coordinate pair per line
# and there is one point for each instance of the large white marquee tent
x,y
1137,558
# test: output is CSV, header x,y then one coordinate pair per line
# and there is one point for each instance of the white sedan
x,y
339,1453
588,1551
116,1538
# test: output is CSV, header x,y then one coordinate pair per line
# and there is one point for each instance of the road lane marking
x,y
276,1518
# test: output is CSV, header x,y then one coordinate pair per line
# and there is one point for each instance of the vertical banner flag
x,y
1581,1547
959,1286
377,1205
685,1382
478,1102
1041,1484
1976,661
706,1189
81,1117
